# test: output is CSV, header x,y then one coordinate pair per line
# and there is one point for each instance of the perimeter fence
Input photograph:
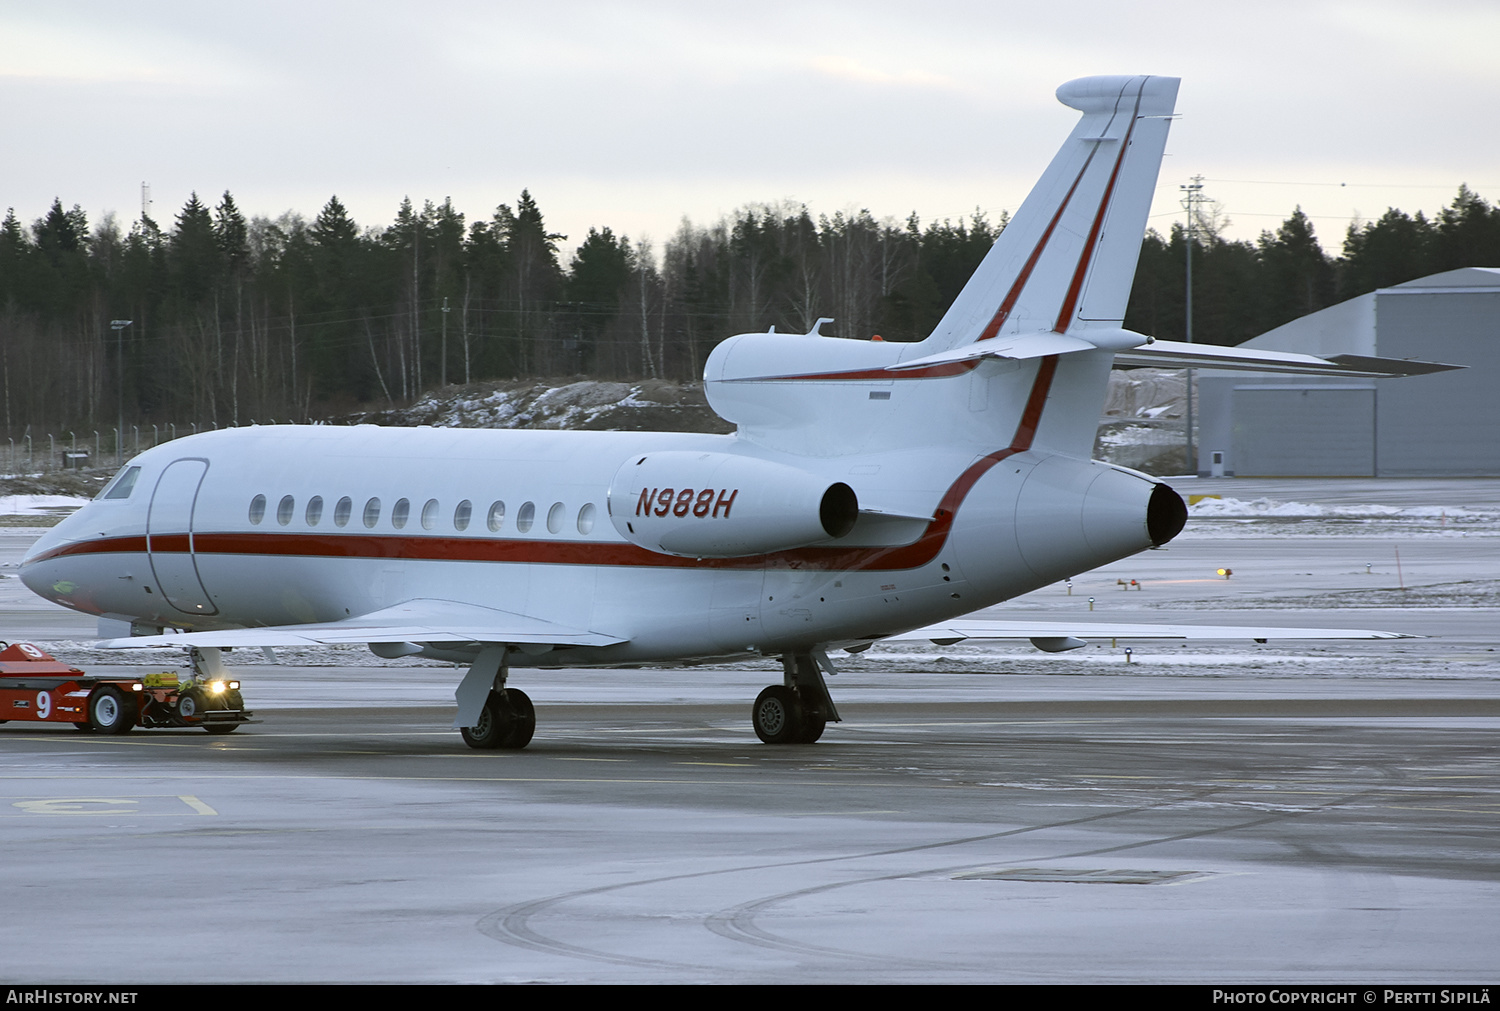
x,y
93,449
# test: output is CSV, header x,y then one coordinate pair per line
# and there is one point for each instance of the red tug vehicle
x,y
36,687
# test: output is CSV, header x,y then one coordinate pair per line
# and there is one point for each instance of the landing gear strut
x,y
798,710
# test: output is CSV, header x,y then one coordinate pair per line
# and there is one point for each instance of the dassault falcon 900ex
x,y
871,490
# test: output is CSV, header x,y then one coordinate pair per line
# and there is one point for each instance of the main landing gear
x,y
798,710
507,720
491,715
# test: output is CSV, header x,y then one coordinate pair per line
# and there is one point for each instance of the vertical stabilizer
x,y
1066,260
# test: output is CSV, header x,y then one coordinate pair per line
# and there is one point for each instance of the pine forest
x,y
235,320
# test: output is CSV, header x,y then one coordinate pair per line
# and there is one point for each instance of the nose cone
x,y
45,567
36,567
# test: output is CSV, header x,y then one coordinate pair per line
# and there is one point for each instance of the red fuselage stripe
x,y
927,372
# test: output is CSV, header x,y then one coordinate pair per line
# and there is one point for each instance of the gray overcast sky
x,y
633,115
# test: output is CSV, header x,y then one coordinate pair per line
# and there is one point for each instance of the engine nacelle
x,y
715,505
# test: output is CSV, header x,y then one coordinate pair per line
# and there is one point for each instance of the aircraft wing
x,y
1057,636
415,621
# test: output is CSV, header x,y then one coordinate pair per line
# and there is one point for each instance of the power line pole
x,y
1192,197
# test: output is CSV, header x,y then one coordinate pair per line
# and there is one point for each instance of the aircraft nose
x,y
43,570
42,546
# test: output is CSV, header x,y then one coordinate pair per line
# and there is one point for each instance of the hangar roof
x,y
1348,328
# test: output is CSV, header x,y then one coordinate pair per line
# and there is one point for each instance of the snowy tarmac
x,y
1216,812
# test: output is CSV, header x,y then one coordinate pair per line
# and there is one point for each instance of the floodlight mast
x,y
118,326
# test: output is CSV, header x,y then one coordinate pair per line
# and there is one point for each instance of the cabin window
x,y
586,519
342,511
461,515
497,516
399,512
314,512
430,514
257,509
372,512
525,517
285,509
556,516
122,486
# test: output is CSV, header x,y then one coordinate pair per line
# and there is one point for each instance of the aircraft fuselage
x,y
291,524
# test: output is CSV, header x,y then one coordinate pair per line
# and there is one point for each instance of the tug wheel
x,y
109,713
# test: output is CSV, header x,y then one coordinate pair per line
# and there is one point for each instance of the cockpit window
x,y
122,486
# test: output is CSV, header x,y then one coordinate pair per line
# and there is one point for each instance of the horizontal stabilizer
x,y
1177,355
1017,346
415,621
1059,632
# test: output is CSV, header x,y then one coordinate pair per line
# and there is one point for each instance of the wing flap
x,y
416,621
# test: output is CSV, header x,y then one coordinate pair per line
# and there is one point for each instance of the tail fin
x,y
1066,260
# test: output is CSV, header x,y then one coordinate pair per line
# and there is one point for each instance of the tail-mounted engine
x,y
716,505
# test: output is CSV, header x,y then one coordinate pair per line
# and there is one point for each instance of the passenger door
x,y
169,537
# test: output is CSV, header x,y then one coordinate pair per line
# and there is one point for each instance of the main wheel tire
x,y
777,716
507,720
109,712
221,728
814,722
523,719
493,725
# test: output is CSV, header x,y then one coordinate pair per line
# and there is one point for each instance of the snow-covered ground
x,y
1228,516
39,505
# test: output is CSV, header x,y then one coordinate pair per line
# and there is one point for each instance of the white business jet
x,y
872,490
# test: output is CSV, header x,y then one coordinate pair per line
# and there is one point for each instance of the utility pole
x,y
1192,197
118,326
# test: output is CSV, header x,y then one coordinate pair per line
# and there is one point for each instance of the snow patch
x,y
39,505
